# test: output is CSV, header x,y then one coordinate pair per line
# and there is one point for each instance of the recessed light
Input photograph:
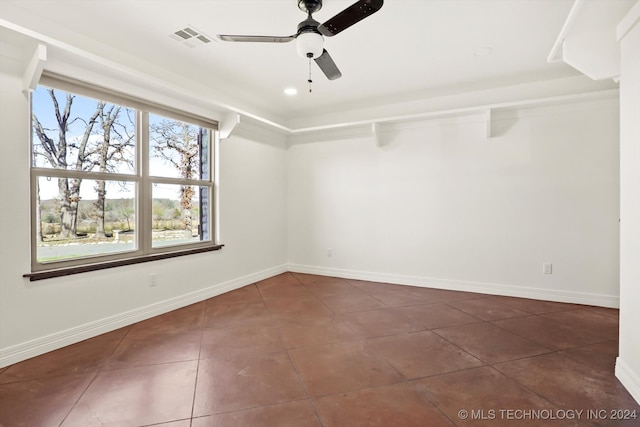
x,y
482,51
291,91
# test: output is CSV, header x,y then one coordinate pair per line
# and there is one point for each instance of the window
x,y
114,178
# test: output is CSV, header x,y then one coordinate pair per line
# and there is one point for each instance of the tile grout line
x,y
295,368
195,383
478,357
524,386
304,386
95,376
552,350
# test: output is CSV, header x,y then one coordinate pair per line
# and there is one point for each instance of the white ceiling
x,y
409,50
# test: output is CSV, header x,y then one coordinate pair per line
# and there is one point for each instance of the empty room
x,y
318,213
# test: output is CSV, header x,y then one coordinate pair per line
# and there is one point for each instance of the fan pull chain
x,y
309,80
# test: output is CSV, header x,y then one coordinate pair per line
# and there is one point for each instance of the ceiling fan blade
x,y
328,67
260,39
351,15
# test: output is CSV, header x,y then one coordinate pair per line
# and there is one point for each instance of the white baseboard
x,y
26,350
629,379
558,295
38,346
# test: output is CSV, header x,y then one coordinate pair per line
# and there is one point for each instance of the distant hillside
x,y
115,209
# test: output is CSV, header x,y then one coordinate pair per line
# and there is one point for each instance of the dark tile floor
x,y
302,350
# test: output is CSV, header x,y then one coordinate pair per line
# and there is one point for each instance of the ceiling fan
x,y
309,37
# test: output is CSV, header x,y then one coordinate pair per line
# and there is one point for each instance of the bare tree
x,y
109,152
56,154
82,154
178,144
126,212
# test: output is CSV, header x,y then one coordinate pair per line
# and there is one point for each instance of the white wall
x,y
440,205
628,364
39,316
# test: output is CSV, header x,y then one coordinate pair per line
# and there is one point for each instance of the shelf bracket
x,y
228,123
375,133
488,133
33,72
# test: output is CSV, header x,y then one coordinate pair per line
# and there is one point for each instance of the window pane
x,y
180,214
75,132
82,218
178,149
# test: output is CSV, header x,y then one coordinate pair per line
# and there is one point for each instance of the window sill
x,y
67,271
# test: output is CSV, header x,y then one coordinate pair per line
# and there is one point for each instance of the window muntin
x,y
93,196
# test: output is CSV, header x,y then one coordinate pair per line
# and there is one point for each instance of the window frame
x,y
141,178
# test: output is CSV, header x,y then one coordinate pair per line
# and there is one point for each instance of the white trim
x,y
38,346
256,131
228,123
628,22
215,108
556,54
629,379
525,103
488,118
481,114
375,134
34,70
601,300
124,71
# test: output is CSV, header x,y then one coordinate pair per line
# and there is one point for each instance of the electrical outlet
x,y
329,252
547,268
153,277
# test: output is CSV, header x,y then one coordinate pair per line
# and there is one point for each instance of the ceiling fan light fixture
x,y
309,44
310,33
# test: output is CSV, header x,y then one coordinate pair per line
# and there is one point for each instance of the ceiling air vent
x,y
191,37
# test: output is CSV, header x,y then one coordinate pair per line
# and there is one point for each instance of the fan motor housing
x,y
309,25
